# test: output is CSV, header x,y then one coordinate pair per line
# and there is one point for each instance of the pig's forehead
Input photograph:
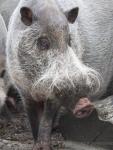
x,y
52,20
47,13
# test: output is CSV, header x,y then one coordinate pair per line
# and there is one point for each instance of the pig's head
x,y
45,54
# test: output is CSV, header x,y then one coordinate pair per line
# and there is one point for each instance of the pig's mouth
x,y
83,108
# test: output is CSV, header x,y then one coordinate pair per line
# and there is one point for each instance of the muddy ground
x,y
85,134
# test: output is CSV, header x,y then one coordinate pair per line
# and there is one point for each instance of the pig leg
x,y
61,112
34,111
57,138
45,128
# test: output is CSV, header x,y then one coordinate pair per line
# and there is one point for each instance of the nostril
x,y
83,108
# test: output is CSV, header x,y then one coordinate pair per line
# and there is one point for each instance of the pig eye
x,y
43,43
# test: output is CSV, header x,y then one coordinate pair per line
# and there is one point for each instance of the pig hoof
x,y
42,146
57,141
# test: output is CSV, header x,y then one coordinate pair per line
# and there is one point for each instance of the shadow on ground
x,y
89,131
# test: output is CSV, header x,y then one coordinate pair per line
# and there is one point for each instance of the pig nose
x,y
83,108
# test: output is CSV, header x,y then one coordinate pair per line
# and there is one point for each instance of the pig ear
x,y
72,15
3,35
26,16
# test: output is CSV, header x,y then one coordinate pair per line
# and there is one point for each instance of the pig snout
x,y
83,108
67,73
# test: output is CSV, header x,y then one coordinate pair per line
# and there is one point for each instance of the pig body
x,y
42,70
91,30
44,75
44,66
